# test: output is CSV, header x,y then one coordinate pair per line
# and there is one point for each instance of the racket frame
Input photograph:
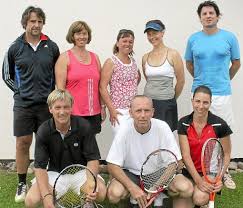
x,y
73,165
218,177
154,194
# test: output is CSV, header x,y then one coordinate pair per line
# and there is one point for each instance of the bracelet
x,y
46,195
103,106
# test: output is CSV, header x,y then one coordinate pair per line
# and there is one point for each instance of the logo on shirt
x,y
46,46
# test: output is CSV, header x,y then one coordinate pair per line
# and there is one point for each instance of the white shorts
x,y
67,181
52,176
222,107
122,119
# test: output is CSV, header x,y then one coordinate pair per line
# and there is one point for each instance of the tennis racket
x,y
157,172
212,162
72,185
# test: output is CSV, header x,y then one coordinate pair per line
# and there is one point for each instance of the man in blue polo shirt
x,y
213,58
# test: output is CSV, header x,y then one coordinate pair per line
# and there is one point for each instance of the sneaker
x,y
88,205
21,192
228,181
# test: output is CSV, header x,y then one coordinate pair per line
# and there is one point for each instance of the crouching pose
x,y
132,144
194,130
61,141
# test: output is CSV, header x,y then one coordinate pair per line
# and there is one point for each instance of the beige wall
x,y
106,17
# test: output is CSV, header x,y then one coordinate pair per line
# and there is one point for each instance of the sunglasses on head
x,y
122,31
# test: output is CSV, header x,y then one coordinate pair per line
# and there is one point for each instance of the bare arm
x,y
139,76
135,191
234,68
106,74
179,72
190,67
144,59
185,151
102,103
43,184
93,165
61,71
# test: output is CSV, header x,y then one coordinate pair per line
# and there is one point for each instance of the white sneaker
x,y
228,181
21,192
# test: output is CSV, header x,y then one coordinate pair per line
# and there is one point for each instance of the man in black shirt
x,y
61,141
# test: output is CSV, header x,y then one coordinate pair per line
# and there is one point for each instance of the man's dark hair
x,y
26,15
208,4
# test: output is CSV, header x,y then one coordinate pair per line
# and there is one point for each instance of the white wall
x,y
106,17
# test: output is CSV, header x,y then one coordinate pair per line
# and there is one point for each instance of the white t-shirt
x,y
130,149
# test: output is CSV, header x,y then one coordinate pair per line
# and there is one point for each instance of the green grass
x,y
8,181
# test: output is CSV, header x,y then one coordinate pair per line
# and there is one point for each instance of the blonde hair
x,y
58,94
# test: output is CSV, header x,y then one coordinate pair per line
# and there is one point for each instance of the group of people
x,y
65,120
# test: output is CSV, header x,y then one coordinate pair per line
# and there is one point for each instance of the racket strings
x,y
168,175
71,199
72,187
159,178
213,159
159,170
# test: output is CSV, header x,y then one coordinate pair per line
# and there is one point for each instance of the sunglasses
x,y
124,31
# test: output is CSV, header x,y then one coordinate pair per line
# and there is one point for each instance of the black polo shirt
x,y
78,146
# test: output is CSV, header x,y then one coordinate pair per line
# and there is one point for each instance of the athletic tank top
x,y
83,84
159,85
123,83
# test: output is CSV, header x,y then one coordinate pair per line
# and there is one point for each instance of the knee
x,y
30,202
23,144
114,195
200,199
186,189
101,192
183,186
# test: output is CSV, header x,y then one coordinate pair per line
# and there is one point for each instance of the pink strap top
x,y
124,82
83,84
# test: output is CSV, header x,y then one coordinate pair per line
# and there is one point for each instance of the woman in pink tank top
x,y
121,74
78,71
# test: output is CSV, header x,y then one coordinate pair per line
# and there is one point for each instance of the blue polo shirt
x,y
211,56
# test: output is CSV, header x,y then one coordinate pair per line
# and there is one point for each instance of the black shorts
x,y
134,178
166,110
28,119
187,174
95,122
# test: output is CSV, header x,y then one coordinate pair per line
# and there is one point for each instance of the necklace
x,y
82,55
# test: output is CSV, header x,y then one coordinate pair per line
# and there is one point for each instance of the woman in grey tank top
x,y
160,66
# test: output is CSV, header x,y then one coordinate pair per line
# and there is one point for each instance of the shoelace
x,y
21,188
227,176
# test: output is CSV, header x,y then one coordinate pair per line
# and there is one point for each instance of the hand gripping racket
x,y
157,172
212,162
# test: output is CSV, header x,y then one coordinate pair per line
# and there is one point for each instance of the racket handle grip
x,y
211,204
